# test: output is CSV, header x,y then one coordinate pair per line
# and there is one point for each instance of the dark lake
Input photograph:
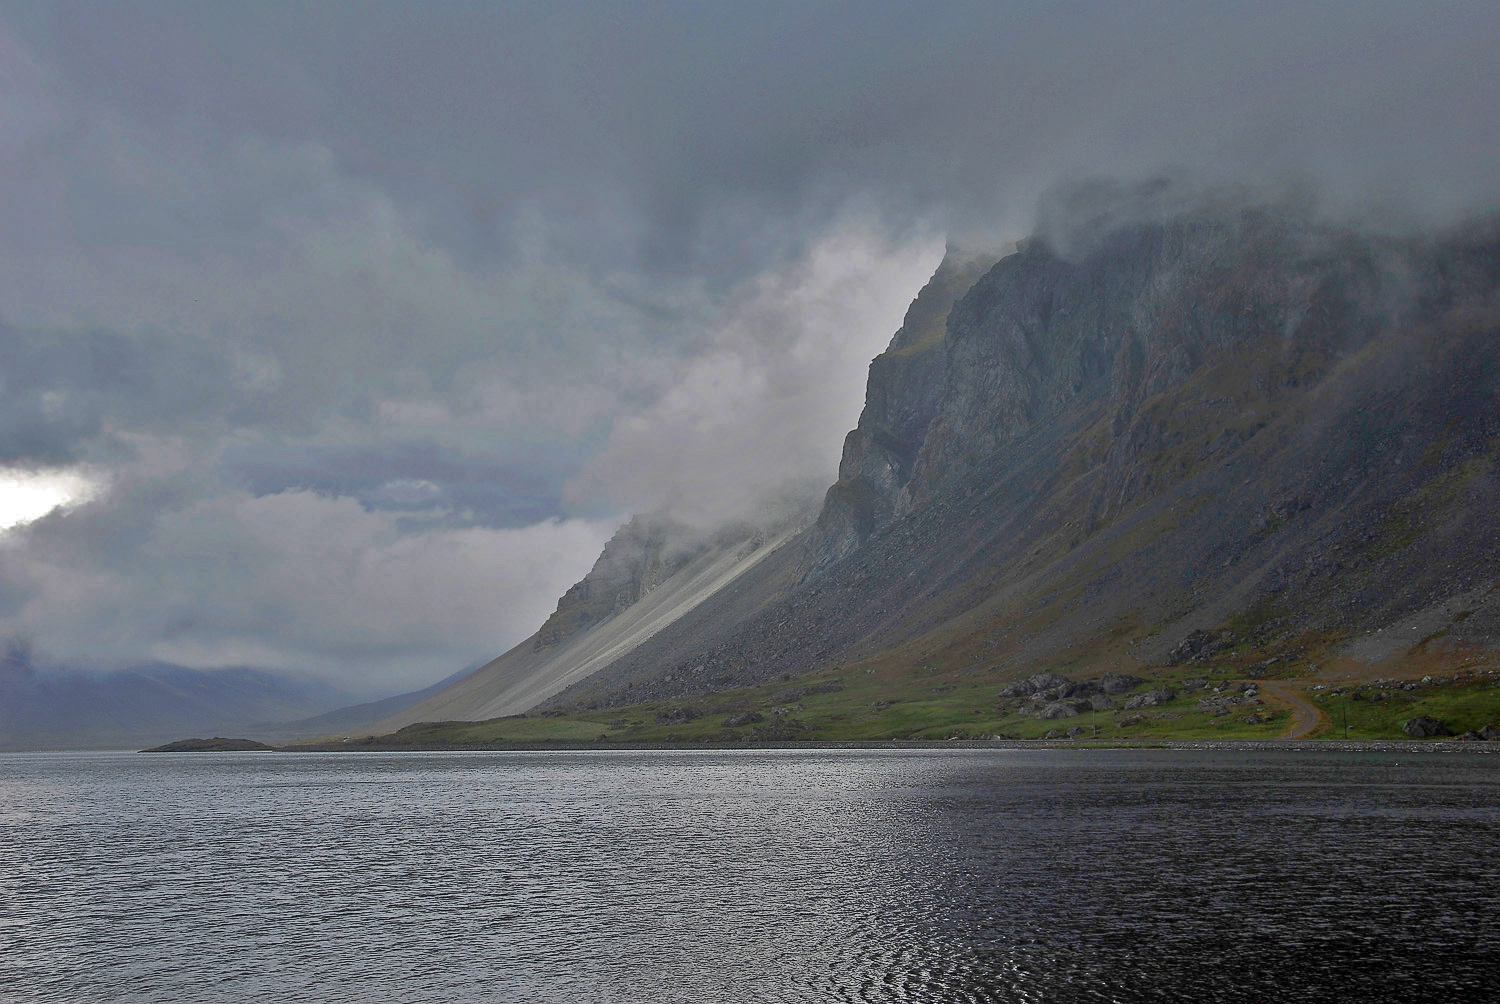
x,y
970,875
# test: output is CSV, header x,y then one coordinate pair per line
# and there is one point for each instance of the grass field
x,y
1378,710
859,704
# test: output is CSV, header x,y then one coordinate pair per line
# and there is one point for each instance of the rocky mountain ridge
x,y
1232,437
902,398
1175,433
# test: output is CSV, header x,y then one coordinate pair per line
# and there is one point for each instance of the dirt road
x,y
1305,715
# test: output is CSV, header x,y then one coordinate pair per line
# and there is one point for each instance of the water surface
x,y
693,876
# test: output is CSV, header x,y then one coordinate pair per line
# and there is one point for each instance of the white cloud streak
x,y
764,408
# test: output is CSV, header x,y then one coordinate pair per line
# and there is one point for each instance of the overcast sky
x,y
352,330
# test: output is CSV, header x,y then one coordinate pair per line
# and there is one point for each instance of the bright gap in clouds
x,y
26,496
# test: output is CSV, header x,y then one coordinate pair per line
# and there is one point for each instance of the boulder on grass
x,y
1425,728
1150,699
1118,683
1035,685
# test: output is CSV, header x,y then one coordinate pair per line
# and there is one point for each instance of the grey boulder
x,y
1424,727
1150,699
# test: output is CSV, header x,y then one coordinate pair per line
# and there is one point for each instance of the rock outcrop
x,y
642,554
1425,728
901,400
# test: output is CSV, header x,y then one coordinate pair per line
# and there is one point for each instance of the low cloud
x,y
761,413
294,580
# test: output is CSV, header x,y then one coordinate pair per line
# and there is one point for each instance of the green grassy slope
x,y
865,703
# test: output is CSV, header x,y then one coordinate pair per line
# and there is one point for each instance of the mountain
x,y
1229,436
63,709
652,573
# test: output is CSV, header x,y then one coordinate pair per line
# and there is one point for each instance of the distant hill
x,y
149,704
356,715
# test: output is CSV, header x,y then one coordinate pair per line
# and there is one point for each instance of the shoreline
x,y
1231,745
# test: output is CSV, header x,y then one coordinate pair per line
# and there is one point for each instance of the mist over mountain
x,y
1234,432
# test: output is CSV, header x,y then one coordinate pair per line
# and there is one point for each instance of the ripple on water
x,y
746,876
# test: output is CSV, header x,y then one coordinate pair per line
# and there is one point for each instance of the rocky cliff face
x,y
1040,335
901,399
1276,433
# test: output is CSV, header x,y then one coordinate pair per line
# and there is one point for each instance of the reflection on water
x,y
748,876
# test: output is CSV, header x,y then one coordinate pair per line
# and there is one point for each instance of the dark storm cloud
x,y
669,127
355,311
58,389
